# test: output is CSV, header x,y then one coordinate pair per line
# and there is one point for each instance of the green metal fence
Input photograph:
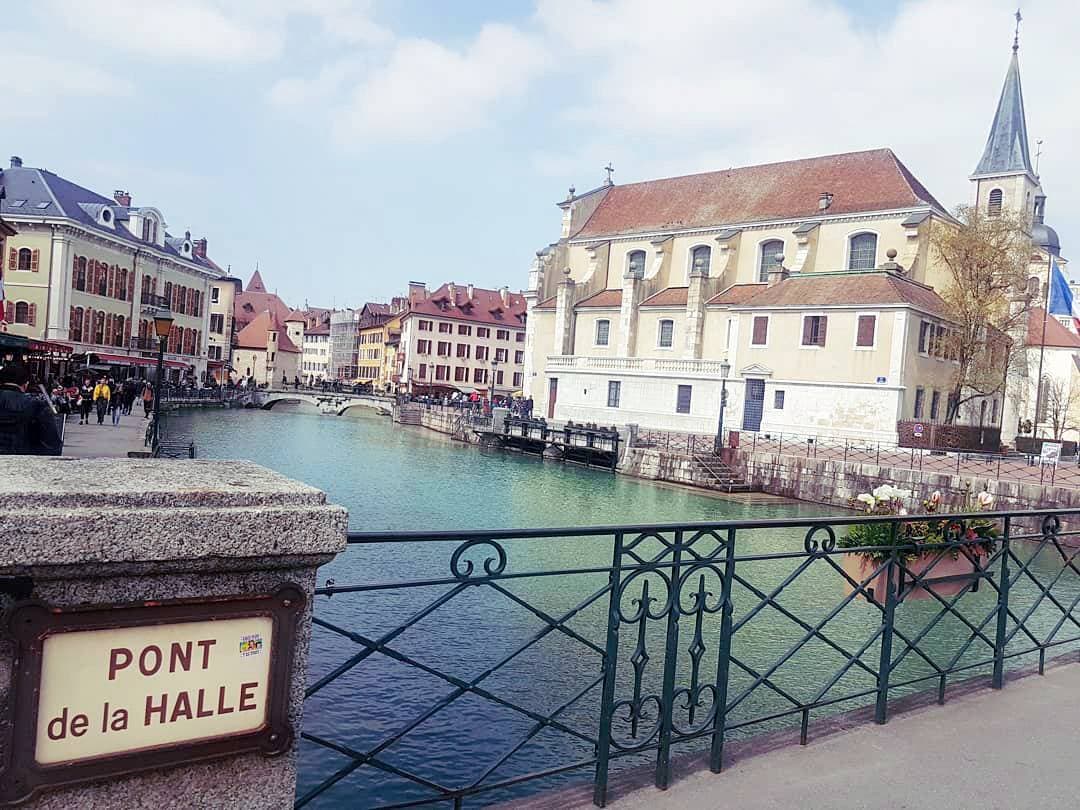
x,y
521,660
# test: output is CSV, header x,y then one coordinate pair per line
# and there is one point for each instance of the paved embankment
x,y
992,750
107,440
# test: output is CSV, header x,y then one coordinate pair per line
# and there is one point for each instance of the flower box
x,y
860,566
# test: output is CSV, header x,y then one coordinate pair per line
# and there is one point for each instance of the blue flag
x,y
1061,298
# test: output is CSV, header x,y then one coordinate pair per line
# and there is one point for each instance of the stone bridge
x,y
327,402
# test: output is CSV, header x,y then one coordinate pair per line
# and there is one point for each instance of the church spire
x,y
1007,146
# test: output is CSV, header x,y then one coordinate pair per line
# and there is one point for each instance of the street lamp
x,y
494,365
725,369
163,321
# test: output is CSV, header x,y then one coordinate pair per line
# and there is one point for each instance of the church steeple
x,y
1006,149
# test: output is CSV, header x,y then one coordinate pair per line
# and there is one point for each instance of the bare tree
x,y
1060,403
986,299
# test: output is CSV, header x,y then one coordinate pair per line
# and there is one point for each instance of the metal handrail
x,y
689,667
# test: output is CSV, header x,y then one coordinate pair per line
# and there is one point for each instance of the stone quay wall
x,y
659,465
102,532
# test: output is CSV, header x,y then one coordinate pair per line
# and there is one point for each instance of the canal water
x,y
406,479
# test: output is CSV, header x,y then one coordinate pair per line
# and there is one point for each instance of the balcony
x,y
155,301
652,366
144,344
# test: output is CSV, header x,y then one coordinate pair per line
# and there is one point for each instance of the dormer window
x,y
106,216
149,229
185,248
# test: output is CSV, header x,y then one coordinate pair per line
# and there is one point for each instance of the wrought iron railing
x,y
508,657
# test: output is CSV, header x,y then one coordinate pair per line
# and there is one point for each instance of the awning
x,y
50,347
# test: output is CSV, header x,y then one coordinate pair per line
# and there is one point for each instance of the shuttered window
x,y
682,399
814,327
614,388
864,335
760,336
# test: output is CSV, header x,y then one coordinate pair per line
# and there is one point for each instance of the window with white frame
x,y
865,331
682,398
635,263
665,333
814,328
700,259
603,329
767,260
759,334
614,389
862,251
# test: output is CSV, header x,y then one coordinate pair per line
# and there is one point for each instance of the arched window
x,y
700,259
102,280
665,333
80,275
635,264
862,252
603,332
99,328
767,261
1033,287
77,324
993,207
118,330
22,312
26,258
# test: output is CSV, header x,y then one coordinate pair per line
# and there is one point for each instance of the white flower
x,y
869,500
903,511
935,498
884,492
901,494
985,499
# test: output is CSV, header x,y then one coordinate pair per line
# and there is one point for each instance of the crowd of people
x,y
100,396
475,402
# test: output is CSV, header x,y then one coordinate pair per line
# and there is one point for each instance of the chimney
x,y
504,294
199,250
451,290
418,289
16,162
778,272
122,198
825,200
469,289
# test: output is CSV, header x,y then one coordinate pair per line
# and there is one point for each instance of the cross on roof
x,y
610,171
1016,35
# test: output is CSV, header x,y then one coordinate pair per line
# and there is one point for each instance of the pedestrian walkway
x,y
991,750
107,440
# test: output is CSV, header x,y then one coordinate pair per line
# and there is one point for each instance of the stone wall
x,y
932,435
657,465
836,482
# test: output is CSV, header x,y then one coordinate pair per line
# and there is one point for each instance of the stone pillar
x,y
58,318
696,296
631,297
114,533
564,317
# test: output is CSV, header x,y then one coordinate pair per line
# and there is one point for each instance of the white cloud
x,y
426,91
46,83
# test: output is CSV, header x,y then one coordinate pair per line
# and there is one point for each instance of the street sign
x,y
122,688
917,430
1051,453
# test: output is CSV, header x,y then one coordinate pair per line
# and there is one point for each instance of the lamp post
x,y
718,444
163,321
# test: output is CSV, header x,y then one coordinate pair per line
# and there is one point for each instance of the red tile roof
x,y
869,288
253,336
1057,336
859,181
669,297
737,294
604,298
548,303
256,283
485,306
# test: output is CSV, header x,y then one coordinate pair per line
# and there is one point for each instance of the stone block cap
x,y
56,511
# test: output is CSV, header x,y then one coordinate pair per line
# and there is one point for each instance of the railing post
x,y
671,655
885,659
845,450
1002,612
780,449
878,460
723,661
611,654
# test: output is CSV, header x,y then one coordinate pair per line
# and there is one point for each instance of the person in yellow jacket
x,y
101,399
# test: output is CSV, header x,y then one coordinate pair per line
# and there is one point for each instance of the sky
x,y
349,146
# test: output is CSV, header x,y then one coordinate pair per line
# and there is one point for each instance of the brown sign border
x,y
32,621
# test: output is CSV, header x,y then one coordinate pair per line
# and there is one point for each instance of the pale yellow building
x,y
371,343
222,326
87,271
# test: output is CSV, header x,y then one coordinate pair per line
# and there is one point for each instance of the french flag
x,y
1061,297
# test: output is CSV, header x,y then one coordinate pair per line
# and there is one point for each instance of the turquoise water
x,y
407,479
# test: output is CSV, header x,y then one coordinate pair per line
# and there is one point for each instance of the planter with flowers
x,y
949,570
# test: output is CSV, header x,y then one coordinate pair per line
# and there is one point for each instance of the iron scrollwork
x,y
813,546
493,565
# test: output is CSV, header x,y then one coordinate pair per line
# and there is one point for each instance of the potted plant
x,y
956,565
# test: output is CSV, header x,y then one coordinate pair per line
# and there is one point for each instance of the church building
x,y
806,289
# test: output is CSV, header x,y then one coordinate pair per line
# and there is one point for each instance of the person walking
x,y
27,423
116,402
147,400
101,399
86,401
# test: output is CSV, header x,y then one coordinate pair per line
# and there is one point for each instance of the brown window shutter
x,y
32,315
131,286
761,330
9,310
109,282
807,331
74,272
824,321
865,335
13,259
35,257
